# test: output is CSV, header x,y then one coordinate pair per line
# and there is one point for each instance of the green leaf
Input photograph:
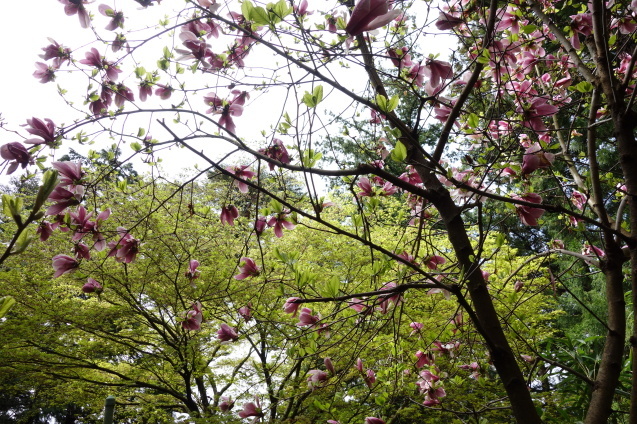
x,y
393,103
381,102
473,120
584,87
399,153
136,146
6,303
318,94
49,181
24,239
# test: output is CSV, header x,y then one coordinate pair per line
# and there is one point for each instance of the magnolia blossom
x,y
276,151
329,365
278,222
291,306
249,269
316,379
44,72
43,129
64,198
433,261
117,20
63,264
416,327
369,15
226,404
193,272
245,312
126,248
535,158
92,286
228,214
72,7
16,153
227,333
373,420
193,319
590,250
307,319
529,215
241,172
260,225
423,359
70,173
252,409
578,199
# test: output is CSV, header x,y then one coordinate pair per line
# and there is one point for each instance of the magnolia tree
x,y
536,105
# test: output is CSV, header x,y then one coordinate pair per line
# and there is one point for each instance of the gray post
x,y
109,408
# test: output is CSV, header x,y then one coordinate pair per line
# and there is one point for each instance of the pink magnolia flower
x,y
301,9
227,333
45,230
44,72
423,359
433,261
95,59
416,327
329,365
278,222
276,151
229,214
390,299
447,21
369,378
164,91
126,248
400,57
241,172
590,250
193,319
63,264
535,158
92,286
224,108
17,153
64,198
307,319
245,312
226,404
82,251
291,306
58,53
316,379
117,18
70,173
193,272
252,409
529,215
437,70
72,7
45,130
145,90
518,286
369,15
260,225
357,304
534,111
445,348
373,420
249,269
578,199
